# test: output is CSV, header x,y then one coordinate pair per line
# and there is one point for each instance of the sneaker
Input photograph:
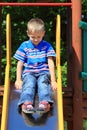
x,y
44,107
27,107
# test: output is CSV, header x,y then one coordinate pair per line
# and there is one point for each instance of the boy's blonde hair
x,y
35,24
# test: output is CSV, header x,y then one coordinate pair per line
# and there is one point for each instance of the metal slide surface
x,y
17,121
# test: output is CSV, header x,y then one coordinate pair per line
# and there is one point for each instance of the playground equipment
x,y
7,75
83,26
7,72
59,81
34,4
74,61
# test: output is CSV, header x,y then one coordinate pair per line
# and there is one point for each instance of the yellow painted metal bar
x,y
7,77
59,80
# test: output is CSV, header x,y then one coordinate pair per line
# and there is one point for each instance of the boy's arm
x,y
18,82
52,72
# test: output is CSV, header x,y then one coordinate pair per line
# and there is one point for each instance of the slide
x,y
21,121
12,119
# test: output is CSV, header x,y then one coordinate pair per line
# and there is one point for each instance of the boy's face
x,y
36,37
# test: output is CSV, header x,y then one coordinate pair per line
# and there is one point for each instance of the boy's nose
x,y
35,39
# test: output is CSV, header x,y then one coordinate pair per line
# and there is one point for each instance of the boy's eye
x,y
38,36
33,37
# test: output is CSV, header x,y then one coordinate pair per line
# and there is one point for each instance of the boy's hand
x,y
54,85
18,84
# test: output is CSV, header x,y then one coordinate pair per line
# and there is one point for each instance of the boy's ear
x,y
43,33
27,33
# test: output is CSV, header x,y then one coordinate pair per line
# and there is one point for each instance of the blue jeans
x,y
44,89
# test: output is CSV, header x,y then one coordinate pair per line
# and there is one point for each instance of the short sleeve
x,y
51,52
20,53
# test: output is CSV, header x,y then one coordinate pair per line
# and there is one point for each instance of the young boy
x,y
35,58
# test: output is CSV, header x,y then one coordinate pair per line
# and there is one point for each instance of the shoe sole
x,y
41,111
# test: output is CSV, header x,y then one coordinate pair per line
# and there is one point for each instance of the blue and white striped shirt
x,y
34,57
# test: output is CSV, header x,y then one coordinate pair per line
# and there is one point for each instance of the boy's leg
x,y
28,90
44,91
44,88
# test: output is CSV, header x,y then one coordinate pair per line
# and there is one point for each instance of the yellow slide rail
x,y
7,72
59,80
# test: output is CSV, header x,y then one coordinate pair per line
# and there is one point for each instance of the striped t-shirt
x,y
34,57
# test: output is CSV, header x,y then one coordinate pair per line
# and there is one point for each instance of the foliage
x,y
84,10
13,70
19,19
64,74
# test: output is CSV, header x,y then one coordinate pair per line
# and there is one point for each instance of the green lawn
x,y
84,125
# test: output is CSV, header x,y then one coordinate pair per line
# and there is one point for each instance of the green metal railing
x,y
83,74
